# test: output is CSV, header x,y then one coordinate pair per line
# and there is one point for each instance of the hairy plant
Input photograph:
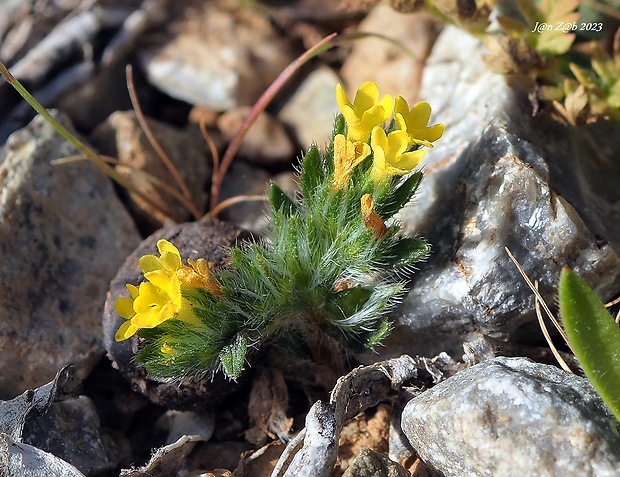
x,y
328,272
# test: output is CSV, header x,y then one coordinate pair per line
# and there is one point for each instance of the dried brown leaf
x,y
406,6
267,407
465,12
512,55
576,109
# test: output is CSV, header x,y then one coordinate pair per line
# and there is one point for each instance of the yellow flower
x,y
415,122
197,275
389,154
366,111
347,155
124,307
159,298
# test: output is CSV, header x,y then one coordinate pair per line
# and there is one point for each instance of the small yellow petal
x,y
125,331
415,122
124,307
133,290
149,263
164,246
389,156
167,349
149,318
366,111
160,280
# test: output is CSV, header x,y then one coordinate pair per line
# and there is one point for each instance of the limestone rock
x,y
217,55
63,235
513,417
121,136
502,178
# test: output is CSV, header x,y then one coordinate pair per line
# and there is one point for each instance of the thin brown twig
x,y
545,331
156,146
231,201
539,297
211,143
147,175
258,107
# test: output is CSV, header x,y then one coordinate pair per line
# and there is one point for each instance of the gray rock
x,y
217,55
70,430
19,459
63,235
502,178
245,179
513,417
369,463
24,460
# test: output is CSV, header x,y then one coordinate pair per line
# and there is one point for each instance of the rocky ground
x,y
466,385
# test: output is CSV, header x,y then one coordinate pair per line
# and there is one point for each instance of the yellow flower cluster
x,y
160,298
394,153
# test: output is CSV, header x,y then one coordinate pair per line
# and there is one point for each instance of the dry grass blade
x,y
211,143
539,297
188,203
171,191
545,331
232,201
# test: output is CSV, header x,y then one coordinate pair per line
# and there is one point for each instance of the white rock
x,y
217,55
511,417
501,178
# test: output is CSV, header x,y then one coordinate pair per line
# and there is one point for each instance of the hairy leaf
x,y
280,200
232,357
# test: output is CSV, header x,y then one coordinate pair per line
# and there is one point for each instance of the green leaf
x,y
280,200
404,252
339,125
593,335
399,196
375,338
232,357
351,300
312,172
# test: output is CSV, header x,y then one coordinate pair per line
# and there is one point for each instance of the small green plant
x,y
593,335
329,270
577,81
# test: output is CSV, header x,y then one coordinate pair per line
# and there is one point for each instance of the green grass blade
x,y
593,335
